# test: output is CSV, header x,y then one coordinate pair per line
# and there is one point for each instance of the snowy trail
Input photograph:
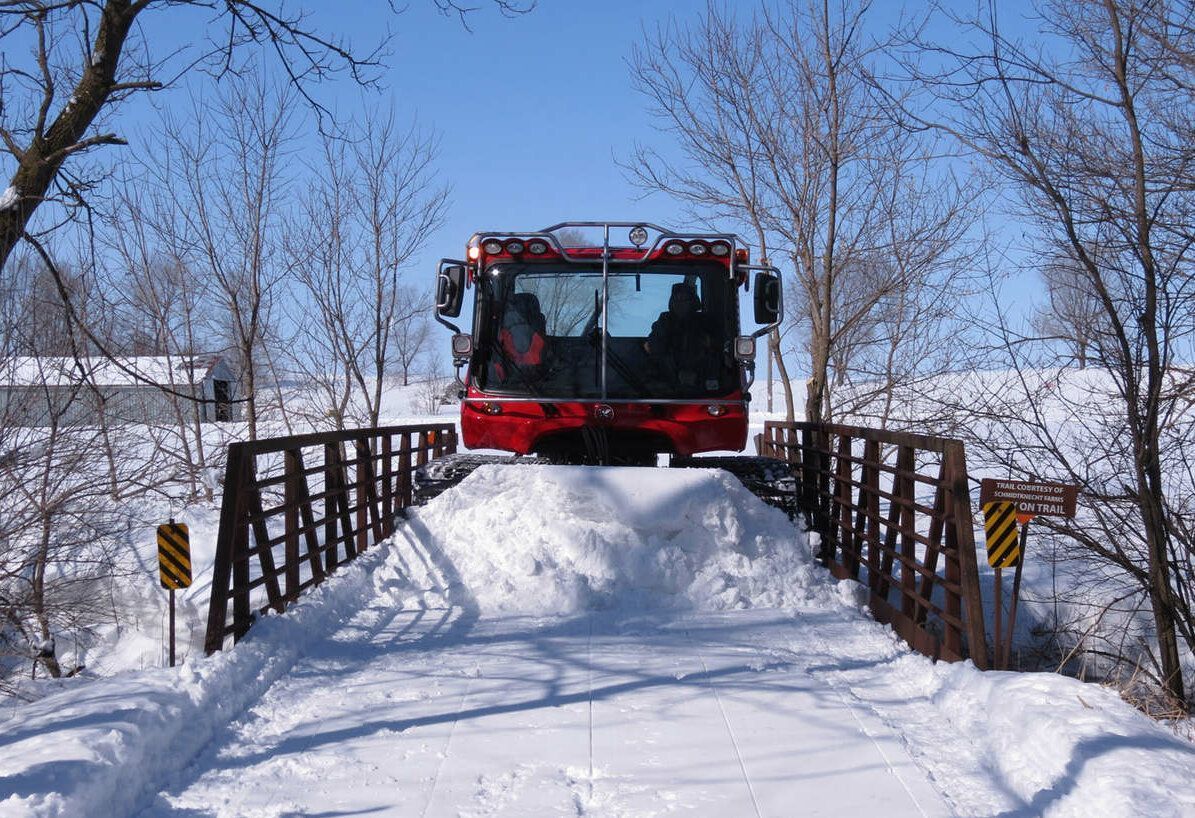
x,y
653,714
442,696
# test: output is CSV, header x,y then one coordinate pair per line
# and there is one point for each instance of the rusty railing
x,y
894,513
296,507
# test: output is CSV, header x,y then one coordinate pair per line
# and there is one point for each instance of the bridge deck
x,y
435,712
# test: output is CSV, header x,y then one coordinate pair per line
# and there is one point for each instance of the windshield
x,y
669,330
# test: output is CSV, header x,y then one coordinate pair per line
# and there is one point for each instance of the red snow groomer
x,y
585,351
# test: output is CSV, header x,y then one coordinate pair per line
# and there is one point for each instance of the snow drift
x,y
563,539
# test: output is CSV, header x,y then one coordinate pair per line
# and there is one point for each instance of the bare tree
x,y
1090,124
59,524
411,331
231,159
376,203
784,133
702,85
165,307
85,58
399,203
1072,314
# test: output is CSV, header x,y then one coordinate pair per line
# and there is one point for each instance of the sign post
x,y
1007,504
174,565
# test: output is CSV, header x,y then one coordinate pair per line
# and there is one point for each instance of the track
x,y
555,641
769,479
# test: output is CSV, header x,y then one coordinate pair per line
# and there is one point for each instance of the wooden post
x,y
291,524
908,536
969,568
404,470
421,454
362,494
869,509
230,513
332,489
387,485
997,630
846,532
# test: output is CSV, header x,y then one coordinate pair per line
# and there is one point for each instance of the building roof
x,y
131,371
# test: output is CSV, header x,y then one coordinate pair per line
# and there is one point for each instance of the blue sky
x,y
531,111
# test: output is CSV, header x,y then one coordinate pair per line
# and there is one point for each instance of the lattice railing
x,y
296,507
894,513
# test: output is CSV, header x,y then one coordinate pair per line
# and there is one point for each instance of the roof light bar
x,y
492,246
514,247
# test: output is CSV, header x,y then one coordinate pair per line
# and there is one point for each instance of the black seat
x,y
526,306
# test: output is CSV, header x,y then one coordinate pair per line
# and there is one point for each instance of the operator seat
x,y
522,341
526,307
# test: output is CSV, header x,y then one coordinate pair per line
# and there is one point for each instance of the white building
x,y
81,391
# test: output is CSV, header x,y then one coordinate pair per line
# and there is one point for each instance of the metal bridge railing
x,y
296,507
894,513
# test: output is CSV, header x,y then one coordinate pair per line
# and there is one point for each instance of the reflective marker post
x,y
174,565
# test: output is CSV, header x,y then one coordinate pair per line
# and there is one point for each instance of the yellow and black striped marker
x,y
1000,531
174,556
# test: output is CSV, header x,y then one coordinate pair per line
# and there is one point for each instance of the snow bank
x,y
1001,743
106,746
562,539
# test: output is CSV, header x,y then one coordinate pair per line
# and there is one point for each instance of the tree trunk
x,y
38,164
815,388
785,383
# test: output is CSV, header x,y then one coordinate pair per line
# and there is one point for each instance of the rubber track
x,y
437,476
771,480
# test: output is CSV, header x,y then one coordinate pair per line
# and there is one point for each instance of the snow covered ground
x,y
573,641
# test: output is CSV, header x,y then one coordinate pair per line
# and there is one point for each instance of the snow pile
x,y
562,539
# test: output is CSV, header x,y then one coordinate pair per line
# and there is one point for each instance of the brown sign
x,y
1031,498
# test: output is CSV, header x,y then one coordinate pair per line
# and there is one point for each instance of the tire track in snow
x,y
841,686
589,687
444,754
709,680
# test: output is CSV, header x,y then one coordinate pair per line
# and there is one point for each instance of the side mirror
x,y
767,298
450,288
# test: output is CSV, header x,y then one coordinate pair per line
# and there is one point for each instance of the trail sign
x,y
174,565
174,556
1031,498
1007,504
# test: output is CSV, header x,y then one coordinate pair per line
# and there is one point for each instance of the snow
x,y
551,640
9,198
620,538
67,371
